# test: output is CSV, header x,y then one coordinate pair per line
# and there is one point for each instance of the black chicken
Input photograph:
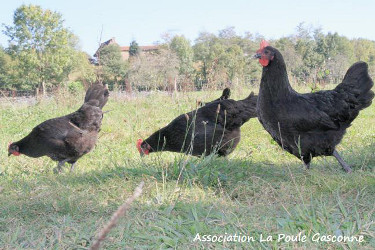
x,y
214,127
98,92
309,125
63,139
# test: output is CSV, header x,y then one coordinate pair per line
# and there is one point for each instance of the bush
x,y
75,87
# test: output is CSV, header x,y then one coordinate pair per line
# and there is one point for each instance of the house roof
x,y
125,48
142,48
110,41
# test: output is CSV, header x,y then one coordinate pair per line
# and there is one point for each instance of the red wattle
x,y
264,62
139,143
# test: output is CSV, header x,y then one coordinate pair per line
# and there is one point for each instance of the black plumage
x,y
309,125
215,127
63,139
98,91
225,95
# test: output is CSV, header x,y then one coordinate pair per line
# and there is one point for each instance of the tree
x,y
234,62
228,33
42,46
134,49
306,47
114,68
6,65
181,46
154,71
208,51
224,58
83,71
292,58
364,50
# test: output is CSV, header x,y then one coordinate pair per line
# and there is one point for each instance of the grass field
x,y
258,190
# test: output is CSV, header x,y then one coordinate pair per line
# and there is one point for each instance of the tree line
x,y
43,54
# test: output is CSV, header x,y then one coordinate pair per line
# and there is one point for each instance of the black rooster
x,y
63,139
215,127
309,125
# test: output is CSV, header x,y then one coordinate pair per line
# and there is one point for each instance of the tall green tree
x,y
207,52
364,50
114,68
234,62
43,47
5,69
154,70
224,58
134,49
83,71
181,46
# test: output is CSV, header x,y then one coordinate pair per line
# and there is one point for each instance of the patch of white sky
x,y
146,21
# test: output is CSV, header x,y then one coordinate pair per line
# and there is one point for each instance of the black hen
x,y
98,92
214,127
63,139
309,125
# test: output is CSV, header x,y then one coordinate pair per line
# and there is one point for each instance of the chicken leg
x,y
58,169
307,165
344,165
72,167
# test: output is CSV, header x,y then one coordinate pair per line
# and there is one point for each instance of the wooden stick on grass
x,y
116,216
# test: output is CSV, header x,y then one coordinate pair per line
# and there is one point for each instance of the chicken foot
x,y
72,167
58,169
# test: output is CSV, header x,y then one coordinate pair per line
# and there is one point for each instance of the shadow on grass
x,y
212,171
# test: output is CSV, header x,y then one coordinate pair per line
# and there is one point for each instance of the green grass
x,y
258,189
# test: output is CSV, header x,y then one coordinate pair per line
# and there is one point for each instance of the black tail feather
x,y
226,94
356,87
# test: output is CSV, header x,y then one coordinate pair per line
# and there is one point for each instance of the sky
x,y
145,21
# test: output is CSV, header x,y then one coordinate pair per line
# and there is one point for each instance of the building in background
x,y
125,49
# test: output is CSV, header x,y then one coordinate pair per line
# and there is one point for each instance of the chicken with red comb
x,y
311,124
212,128
63,139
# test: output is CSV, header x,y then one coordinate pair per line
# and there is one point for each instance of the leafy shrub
x,y
75,87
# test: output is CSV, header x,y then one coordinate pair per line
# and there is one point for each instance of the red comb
x,y
139,143
264,44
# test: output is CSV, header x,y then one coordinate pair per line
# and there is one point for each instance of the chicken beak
x,y
9,154
142,153
257,56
